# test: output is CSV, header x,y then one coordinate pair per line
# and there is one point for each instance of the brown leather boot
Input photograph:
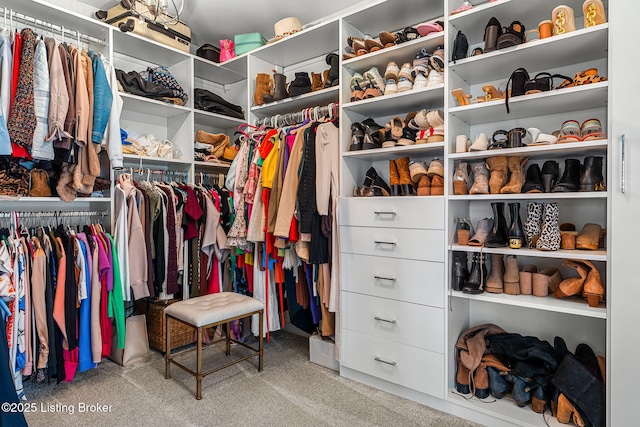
x,y
424,186
394,179
573,285
593,290
494,281
263,86
511,276
437,185
516,181
461,179
499,173
546,280
405,177
316,81
526,279
480,178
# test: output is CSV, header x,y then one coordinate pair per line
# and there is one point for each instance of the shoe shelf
x,y
377,154
553,52
383,15
573,305
540,151
287,105
532,196
599,255
205,118
411,100
151,107
136,160
146,49
210,165
231,71
400,53
584,97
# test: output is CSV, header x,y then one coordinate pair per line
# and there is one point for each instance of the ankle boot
x,y
511,277
521,392
394,179
334,72
550,173
546,280
279,87
480,178
533,223
404,175
539,399
593,289
570,177
526,279
463,230
499,386
300,85
533,183
460,271
461,179
516,235
316,81
591,178
494,281
437,185
516,181
573,285
498,236
477,276
550,231
263,87
499,173
424,186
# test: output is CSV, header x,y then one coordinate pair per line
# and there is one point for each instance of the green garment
x,y
116,299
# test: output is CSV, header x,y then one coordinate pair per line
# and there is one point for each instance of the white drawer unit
x,y
401,322
419,282
394,212
424,245
408,366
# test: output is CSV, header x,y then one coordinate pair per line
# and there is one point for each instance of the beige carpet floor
x,y
290,391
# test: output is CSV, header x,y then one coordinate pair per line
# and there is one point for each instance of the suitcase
x,y
175,34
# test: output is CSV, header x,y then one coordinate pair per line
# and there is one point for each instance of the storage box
x,y
248,42
323,352
181,334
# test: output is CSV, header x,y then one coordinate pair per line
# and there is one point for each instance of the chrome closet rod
x,y
53,214
289,119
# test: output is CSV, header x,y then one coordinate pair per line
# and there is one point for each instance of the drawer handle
x,y
379,242
391,279
386,213
385,320
377,359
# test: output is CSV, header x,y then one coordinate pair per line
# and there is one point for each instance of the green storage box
x,y
248,42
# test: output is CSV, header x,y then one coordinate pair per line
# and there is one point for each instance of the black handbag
x,y
542,82
209,51
460,47
517,81
209,101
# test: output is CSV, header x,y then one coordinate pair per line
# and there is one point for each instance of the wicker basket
x,y
181,334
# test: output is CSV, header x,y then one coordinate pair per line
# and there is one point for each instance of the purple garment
x,y
313,301
289,139
109,266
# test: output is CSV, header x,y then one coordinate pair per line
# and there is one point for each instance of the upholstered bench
x,y
208,311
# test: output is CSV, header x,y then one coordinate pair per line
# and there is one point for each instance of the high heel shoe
x,y
573,285
566,412
461,97
491,93
593,289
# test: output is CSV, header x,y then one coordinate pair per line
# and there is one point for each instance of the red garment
x,y
193,212
17,150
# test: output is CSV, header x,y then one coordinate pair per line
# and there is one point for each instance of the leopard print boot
x,y
550,233
533,222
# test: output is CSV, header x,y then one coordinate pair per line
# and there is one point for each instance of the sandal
x,y
465,6
427,28
372,45
499,143
357,137
372,137
408,137
461,97
588,76
511,36
569,132
492,93
356,79
357,94
515,137
591,130
436,62
594,13
563,20
387,39
397,126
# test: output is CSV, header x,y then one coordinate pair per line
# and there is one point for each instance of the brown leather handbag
x,y
39,183
14,179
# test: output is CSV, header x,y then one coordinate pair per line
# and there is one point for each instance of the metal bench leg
x,y
228,338
261,342
167,348
199,366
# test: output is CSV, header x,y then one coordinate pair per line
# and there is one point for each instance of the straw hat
x,y
286,27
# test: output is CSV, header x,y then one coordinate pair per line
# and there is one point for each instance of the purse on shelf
x,y
227,50
39,183
460,47
209,52
543,82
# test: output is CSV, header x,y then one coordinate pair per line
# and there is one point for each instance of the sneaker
x,y
435,78
391,87
356,80
422,58
420,82
374,75
391,72
405,71
404,84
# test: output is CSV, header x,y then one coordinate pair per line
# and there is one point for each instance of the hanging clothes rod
x,y
54,29
54,214
288,119
155,173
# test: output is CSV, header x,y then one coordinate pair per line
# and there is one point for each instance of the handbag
x,y
226,50
517,80
162,77
39,183
136,345
209,51
542,82
460,47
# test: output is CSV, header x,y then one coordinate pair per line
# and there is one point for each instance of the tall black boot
x,y
334,72
477,276
460,270
516,235
498,236
570,177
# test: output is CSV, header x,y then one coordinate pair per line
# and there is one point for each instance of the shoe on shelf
x,y
405,71
404,84
420,82
391,73
424,186
417,170
563,20
435,78
391,87
462,143
480,178
594,13
357,136
461,180
356,81
374,76
480,144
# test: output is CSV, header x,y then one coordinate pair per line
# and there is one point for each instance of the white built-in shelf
x,y
416,150
575,149
575,47
135,160
312,42
383,15
204,118
400,53
319,98
572,305
210,165
533,196
560,101
231,71
135,46
599,255
411,100
151,106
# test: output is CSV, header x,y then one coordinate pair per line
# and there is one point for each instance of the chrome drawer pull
x,y
385,213
385,320
377,359
378,242
391,279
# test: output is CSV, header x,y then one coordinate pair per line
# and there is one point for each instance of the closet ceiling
x,y
212,20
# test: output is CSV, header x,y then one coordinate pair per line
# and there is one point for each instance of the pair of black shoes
x,y
365,135
375,182
576,177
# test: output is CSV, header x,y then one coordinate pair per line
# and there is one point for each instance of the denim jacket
x,y
102,99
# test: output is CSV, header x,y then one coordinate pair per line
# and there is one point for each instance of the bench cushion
x,y
213,308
